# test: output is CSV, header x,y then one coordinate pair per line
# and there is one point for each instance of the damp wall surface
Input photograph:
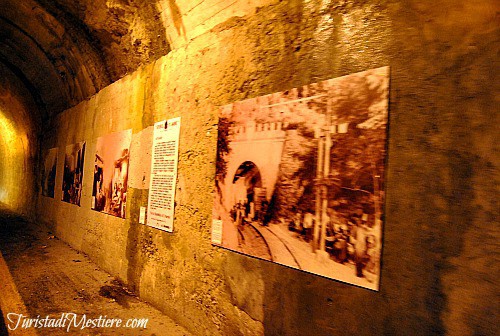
x,y
441,213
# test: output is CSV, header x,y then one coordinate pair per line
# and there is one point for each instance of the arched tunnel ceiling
x,y
65,50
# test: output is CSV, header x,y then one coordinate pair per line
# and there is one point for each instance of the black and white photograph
x,y
300,177
73,173
49,173
111,162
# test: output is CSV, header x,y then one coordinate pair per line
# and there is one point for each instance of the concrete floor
x,y
52,278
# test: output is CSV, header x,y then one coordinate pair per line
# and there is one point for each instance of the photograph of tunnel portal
x,y
300,176
109,190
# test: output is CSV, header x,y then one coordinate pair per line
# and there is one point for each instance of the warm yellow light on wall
x,y
7,129
13,147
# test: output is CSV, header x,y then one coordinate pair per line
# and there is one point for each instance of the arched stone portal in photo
x,y
247,182
247,187
254,148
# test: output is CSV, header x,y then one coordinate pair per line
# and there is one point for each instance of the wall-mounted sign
x,y
164,160
300,177
111,162
73,173
142,215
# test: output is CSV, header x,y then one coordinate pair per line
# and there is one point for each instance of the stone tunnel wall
x,y
439,233
18,145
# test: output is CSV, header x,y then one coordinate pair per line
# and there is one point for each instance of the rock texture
x,y
67,51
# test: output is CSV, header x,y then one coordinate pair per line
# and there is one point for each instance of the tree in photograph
x,y
223,149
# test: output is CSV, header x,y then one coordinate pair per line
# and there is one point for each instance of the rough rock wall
x,y
127,33
58,62
440,237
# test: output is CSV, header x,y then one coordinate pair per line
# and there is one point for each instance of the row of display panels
x,y
299,177
111,169
110,173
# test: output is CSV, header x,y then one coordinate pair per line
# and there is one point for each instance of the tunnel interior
x,y
54,55
73,72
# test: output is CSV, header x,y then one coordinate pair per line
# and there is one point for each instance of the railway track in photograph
x,y
253,242
261,242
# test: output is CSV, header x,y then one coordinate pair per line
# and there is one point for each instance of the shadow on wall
x,y
177,18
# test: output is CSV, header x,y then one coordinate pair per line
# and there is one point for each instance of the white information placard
x,y
164,160
142,215
217,231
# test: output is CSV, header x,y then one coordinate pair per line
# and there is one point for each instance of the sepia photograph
x,y
300,177
109,191
49,173
73,173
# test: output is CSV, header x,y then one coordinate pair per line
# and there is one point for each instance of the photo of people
x,y
49,173
73,173
300,177
109,191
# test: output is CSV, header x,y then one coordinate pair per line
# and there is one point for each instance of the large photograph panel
x,y
49,173
73,173
300,177
109,191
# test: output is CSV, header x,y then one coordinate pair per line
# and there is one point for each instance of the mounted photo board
x,y
300,177
49,173
111,163
73,173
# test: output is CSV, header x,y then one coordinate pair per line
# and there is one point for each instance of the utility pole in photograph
x,y
324,179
